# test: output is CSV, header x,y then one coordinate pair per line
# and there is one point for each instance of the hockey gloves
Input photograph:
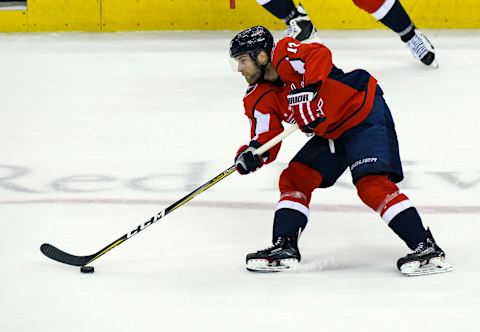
x,y
245,161
306,106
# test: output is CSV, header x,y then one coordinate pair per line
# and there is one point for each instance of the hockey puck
x,y
87,269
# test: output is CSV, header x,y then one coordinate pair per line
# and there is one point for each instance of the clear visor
x,y
233,64
240,60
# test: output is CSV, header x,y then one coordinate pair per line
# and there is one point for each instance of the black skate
x,y
283,255
301,28
427,258
422,49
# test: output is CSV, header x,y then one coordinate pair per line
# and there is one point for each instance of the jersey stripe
x,y
395,209
286,204
383,10
262,124
297,65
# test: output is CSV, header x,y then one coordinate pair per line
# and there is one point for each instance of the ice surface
x,y
101,131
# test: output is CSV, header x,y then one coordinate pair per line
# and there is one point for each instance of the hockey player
x,y
351,126
389,12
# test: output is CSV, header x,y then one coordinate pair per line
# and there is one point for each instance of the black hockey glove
x,y
245,161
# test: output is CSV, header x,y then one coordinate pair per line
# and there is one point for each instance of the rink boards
x,y
129,15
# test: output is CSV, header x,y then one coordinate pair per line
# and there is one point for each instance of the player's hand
x,y
246,162
306,106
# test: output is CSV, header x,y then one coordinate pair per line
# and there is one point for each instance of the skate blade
x,y
435,265
264,266
434,64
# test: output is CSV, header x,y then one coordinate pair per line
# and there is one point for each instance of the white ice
x,y
99,132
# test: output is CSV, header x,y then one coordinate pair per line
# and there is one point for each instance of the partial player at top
x,y
389,12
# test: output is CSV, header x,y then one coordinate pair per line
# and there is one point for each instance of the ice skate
x,y
422,49
427,258
281,256
301,28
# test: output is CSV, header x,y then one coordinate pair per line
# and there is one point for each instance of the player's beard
x,y
255,77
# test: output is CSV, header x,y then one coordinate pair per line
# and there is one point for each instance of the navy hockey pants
x,y
370,148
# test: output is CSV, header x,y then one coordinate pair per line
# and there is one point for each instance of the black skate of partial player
x,y
427,258
301,27
281,256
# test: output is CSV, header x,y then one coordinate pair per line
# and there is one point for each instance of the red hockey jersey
x,y
347,97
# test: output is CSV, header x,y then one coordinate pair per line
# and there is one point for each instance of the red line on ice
x,y
440,209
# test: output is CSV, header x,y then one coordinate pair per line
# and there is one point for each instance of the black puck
x,y
87,269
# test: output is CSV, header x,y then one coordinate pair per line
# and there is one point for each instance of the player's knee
x,y
369,6
297,182
375,190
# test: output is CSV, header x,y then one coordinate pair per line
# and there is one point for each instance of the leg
x,y
373,153
383,196
374,156
312,167
392,14
282,9
296,183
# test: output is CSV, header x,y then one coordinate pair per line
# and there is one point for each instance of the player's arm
x,y
265,124
318,63
314,63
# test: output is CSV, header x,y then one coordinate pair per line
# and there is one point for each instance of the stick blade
x,y
63,257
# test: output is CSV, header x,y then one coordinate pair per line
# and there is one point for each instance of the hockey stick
x,y
63,257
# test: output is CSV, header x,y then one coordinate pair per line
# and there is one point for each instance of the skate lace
x,y
419,46
276,244
421,247
294,29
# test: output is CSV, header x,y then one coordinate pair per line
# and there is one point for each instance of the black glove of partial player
x,y
246,162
